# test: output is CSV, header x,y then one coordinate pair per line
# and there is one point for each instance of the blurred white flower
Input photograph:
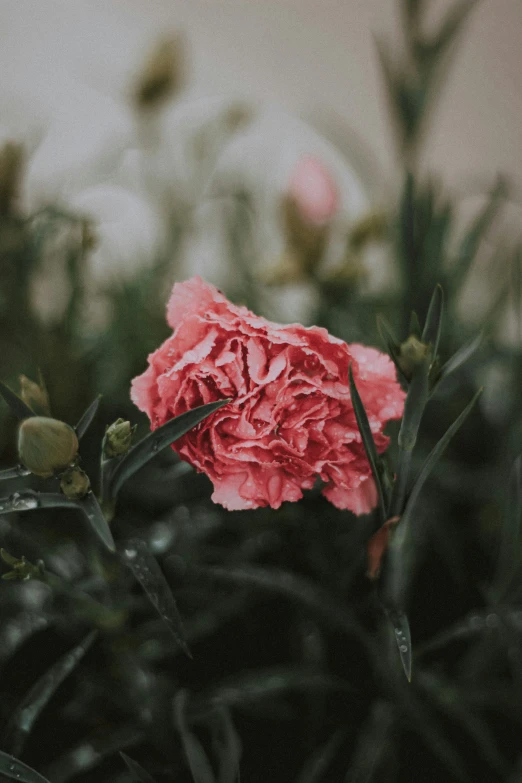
x,y
128,232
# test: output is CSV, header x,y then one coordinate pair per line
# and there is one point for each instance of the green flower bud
x,y
75,483
35,395
411,353
118,438
46,445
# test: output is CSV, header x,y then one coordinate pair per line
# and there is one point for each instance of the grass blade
x,y
147,448
96,519
16,770
196,757
137,770
462,355
17,472
27,712
87,417
17,405
433,324
368,442
148,573
401,628
431,461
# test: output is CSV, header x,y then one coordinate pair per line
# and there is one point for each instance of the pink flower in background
x,y
314,191
290,420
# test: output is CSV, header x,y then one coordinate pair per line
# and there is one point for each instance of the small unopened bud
x,y
75,483
411,353
11,162
118,438
163,75
35,395
46,445
306,241
314,191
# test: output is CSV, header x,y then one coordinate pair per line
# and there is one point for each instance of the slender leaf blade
x,y
136,555
164,436
96,519
18,407
15,769
25,715
433,324
198,762
368,442
87,417
464,353
432,459
137,770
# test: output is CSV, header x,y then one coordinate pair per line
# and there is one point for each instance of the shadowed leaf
x,y
87,417
16,404
433,323
510,548
431,461
227,747
153,443
25,715
198,762
368,442
148,573
390,343
401,629
16,770
17,472
372,744
317,765
471,242
137,770
92,510
462,355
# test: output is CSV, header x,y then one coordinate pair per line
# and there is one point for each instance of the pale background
x,y
71,63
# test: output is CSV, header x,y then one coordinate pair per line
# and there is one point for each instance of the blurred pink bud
x,y
314,191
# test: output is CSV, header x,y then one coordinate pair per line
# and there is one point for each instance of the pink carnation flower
x,y
314,191
290,420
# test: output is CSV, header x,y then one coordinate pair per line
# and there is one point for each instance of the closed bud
x,y
118,438
35,395
46,445
11,163
75,483
411,353
164,74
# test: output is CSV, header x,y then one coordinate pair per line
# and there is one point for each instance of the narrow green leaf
x,y
459,357
450,28
317,765
228,747
415,325
473,237
390,343
23,718
368,442
198,762
261,685
296,588
401,629
137,770
148,573
96,519
164,436
14,769
414,406
431,461
452,702
18,407
510,547
372,744
17,472
87,417
433,324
